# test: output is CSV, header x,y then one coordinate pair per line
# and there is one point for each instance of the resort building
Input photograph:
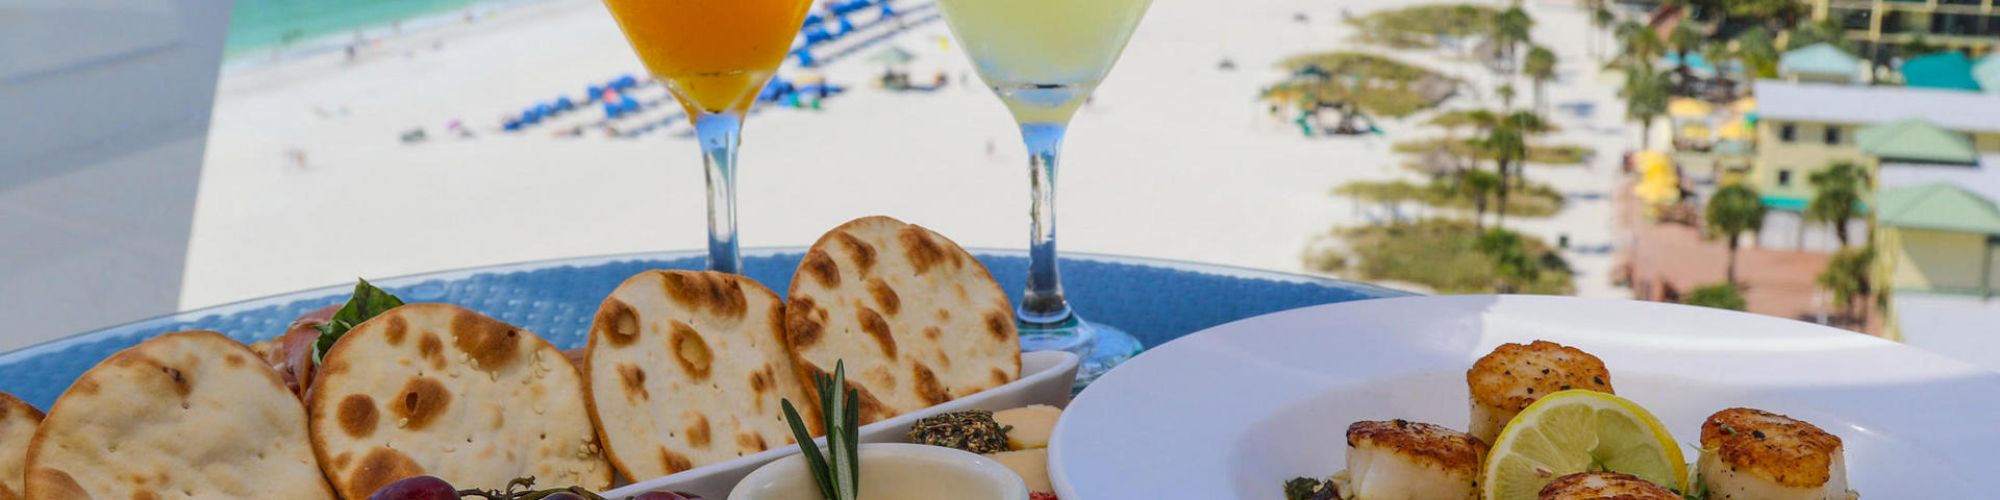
x,y
1938,238
1802,128
1962,24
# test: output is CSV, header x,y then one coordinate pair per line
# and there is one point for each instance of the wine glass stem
x,y
1042,300
720,134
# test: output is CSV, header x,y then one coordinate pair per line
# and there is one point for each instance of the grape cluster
x,y
432,488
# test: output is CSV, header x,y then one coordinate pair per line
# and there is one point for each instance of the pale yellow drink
x,y
1043,56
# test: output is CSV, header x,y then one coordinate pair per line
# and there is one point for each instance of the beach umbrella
x,y
893,56
1695,130
1658,183
1686,107
1744,106
1737,130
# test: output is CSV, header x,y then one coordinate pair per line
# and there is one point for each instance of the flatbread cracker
x,y
17,428
686,369
183,415
435,389
917,320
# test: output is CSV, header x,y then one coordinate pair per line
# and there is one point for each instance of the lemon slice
x,y
1580,431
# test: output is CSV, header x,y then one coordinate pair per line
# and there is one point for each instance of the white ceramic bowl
x,y
1046,378
1269,398
893,471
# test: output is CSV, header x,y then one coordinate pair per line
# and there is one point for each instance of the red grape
x,y
563,496
1041,495
667,495
417,488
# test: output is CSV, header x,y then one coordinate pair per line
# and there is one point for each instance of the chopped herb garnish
x,y
1306,488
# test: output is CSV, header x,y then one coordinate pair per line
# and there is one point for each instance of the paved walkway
x,y
1670,260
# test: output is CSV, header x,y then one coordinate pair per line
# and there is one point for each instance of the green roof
x,y
1938,206
1987,72
1916,140
1819,59
1940,70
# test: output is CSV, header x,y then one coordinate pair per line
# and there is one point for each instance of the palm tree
x,y
1451,122
1645,95
1480,184
1506,94
1759,52
1601,17
1733,210
1776,14
1837,191
1512,29
1506,143
1683,40
1638,45
1847,276
1541,67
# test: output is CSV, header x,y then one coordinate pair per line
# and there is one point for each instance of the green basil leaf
x,y
366,302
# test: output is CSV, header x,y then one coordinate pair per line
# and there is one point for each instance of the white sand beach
x,y
1174,159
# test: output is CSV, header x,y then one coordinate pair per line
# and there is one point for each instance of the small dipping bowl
x,y
893,471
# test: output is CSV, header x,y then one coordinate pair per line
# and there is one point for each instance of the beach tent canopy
x,y
893,56
1987,73
1683,107
1940,206
1916,140
1696,130
1658,182
1695,63
1940,70
1819,59
1737,130
1745,105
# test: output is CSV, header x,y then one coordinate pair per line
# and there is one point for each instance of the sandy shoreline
x,y
1174,159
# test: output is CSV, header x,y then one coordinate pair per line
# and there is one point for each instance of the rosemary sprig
x,y
838,470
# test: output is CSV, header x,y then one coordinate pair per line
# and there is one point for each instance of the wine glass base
x,y
1100,347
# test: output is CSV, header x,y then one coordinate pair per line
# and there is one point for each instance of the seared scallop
x,y
1513,376
1754,454
1404,460
1605,486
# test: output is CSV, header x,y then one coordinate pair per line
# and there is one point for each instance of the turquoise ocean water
x,y
256,25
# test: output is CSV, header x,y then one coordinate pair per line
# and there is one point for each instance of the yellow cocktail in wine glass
x,y
714,56
1044,58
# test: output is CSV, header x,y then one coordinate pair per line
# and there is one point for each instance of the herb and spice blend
x,y
969,430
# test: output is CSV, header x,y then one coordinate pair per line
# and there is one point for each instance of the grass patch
x,y
1418,27
1379,85
1555,155
1561,154
1443,254
1535,200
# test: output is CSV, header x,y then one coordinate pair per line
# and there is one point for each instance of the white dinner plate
x,y
1235,410
1046,379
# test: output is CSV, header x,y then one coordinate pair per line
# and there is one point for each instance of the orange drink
x,y
713,54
